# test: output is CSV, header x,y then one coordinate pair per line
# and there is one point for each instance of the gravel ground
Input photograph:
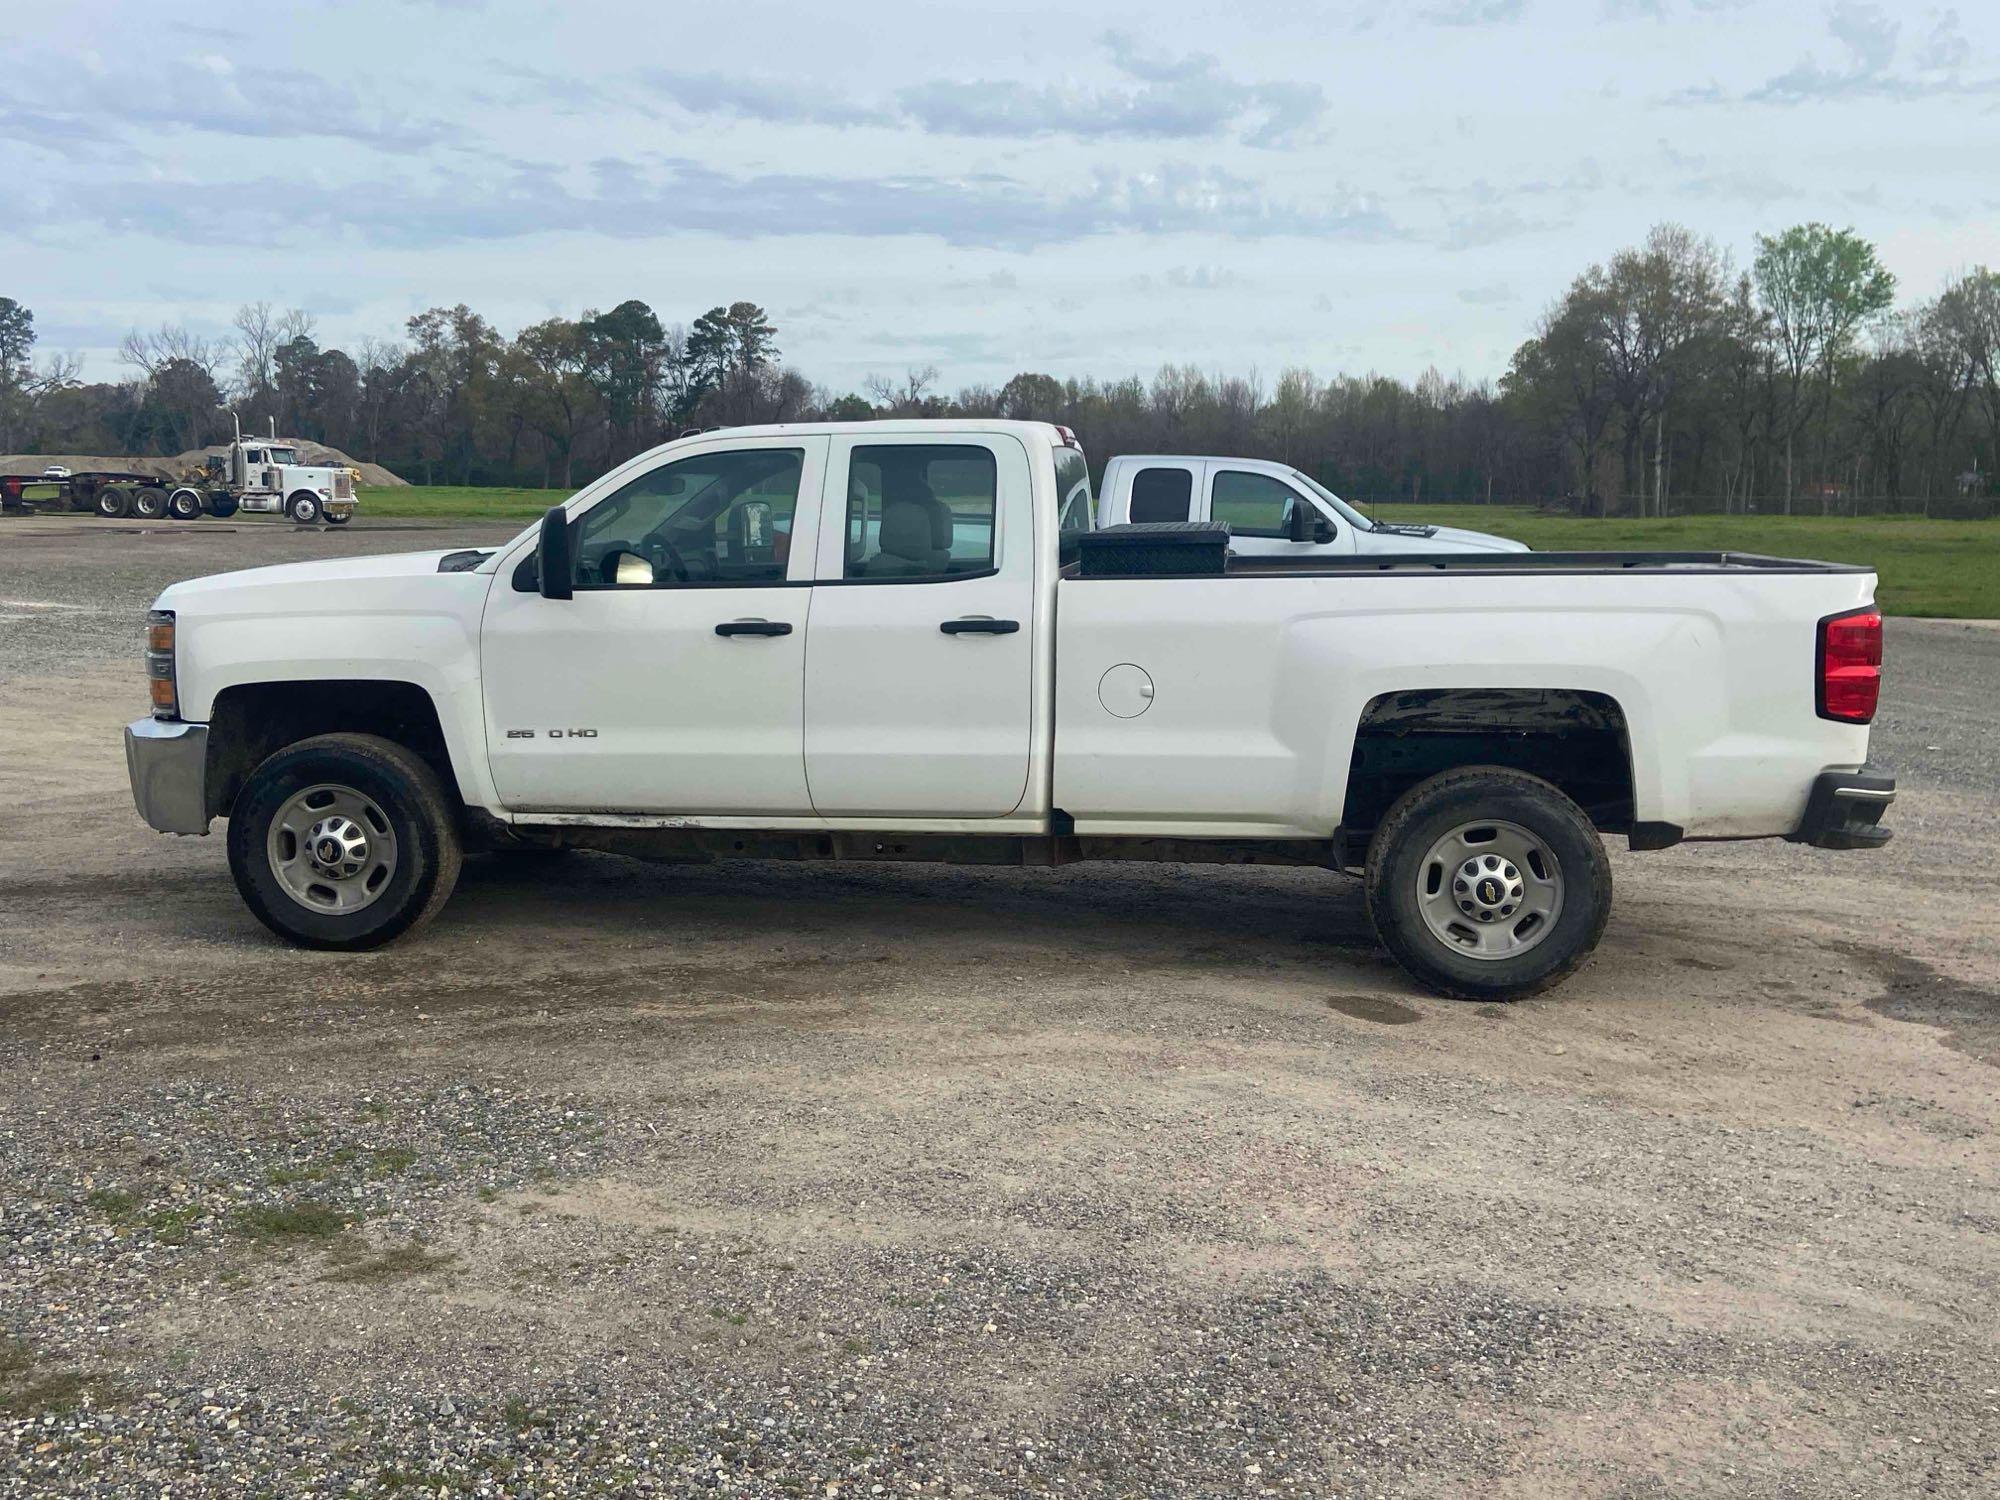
x,y
792,1180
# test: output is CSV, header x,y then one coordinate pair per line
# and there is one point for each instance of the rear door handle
x,y
979,625
753,627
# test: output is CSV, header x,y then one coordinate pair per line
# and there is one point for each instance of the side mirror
x,y
1306,524
558,562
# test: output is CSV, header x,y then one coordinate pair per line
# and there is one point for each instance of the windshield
x,y
284,455
1341,508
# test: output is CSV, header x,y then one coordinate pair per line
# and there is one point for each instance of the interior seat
x,y
916,529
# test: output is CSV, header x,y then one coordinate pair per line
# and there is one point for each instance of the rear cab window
x,y
1076,509
1161,494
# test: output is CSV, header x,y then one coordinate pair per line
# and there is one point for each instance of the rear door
x,y
919,674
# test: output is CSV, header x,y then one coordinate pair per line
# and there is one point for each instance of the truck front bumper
x,y
1845,809
168,762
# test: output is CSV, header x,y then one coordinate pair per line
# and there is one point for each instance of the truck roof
x,y
1046,432
1276,466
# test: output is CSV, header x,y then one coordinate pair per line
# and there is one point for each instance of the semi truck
x,y
257,475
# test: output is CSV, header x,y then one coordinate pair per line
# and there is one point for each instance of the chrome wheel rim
x,y
1490,890
332,849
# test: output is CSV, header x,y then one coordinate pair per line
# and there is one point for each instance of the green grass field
x,y
456,502
1944,569
1947,569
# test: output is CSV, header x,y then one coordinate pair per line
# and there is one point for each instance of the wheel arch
x,y
1578,740
251,721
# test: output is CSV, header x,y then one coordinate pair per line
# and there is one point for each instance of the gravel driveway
x,y
1113,1180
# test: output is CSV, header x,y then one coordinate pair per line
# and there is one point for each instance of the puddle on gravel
x,y
1967,1014
1377,1008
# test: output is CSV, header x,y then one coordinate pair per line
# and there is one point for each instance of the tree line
x,y
1664,380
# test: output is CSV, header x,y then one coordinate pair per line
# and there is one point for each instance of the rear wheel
x,y
345,841
149,502
114,501
303,508
1488,884
185,505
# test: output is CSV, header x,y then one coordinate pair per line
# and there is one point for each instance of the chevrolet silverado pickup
x,y
1271,509
911,641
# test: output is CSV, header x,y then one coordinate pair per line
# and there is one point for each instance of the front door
x,y
919,692
1258,508
673,682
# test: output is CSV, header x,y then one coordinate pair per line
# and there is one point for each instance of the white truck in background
x,y
1271,509
633,674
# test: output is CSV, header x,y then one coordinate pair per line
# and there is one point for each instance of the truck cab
x,y
1271,509
266,475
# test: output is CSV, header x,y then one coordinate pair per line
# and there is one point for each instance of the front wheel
x,y
303,508
345,841
1488,884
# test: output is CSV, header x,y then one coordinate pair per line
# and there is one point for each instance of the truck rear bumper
x,y
1845,809
168,763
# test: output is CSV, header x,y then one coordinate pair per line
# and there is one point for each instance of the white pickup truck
x,y
1271,509
868,641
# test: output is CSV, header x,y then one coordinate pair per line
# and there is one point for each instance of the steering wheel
x,y
674,558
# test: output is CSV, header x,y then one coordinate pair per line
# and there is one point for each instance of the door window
x,y
1162,495
1253,504
714,518
920,512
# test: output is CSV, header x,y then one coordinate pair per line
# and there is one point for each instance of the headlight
x,y
160,664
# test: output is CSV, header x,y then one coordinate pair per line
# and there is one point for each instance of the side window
x,y
920,512
712,518
1253,504
1162,495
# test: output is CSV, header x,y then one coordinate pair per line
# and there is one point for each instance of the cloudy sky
x,y
987,188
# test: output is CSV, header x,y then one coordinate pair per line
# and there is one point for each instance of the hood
x,y
1474,541
305,574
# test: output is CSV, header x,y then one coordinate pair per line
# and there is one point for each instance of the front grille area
x,y
343,484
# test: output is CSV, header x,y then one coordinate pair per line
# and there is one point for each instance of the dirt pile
x,y
169,468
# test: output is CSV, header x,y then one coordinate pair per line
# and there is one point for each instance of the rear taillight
x,y
1850,665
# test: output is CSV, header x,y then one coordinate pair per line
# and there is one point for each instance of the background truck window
x,y
1253,504
920,511
1162,495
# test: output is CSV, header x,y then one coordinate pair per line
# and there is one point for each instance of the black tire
x,y
332,520
149,502
1433,810
185,505
420,815
114,502
303,509
222,507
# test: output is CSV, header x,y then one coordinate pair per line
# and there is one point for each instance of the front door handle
x,y
979,625
753,627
